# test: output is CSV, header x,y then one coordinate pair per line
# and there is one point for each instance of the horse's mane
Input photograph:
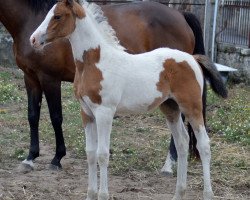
x,y
95,12
41,5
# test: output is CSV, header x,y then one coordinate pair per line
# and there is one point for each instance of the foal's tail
x,y
212,75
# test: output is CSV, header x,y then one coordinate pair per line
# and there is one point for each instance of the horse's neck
x,y
85,37
15,15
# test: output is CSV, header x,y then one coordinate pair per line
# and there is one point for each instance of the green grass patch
x,y
9,91
231,117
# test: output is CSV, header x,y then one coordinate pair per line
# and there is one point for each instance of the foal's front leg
x,y
91,148
104,118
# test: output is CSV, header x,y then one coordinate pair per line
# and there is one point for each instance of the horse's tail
x,y
199,48
195,25
212,75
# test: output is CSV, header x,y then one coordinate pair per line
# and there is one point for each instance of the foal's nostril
x,y
42,43
33,40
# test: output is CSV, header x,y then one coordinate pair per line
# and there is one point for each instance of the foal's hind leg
x,y
192,108
181,139
205,154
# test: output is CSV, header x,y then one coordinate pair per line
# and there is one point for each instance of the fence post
x,y
207,22
213,50
249,40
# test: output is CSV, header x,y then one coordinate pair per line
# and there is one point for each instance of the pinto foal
x,y
109,81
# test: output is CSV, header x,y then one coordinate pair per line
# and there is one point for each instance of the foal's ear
x,y
78,10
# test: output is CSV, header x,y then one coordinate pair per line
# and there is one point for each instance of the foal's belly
x,y
138,99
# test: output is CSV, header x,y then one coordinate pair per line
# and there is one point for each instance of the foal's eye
x,y
57,17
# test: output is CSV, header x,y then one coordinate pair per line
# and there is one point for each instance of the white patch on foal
x,y
40,32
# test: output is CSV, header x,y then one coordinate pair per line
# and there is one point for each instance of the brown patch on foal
x,y
171,110
88,77
180,80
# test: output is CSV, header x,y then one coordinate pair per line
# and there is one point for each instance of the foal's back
x,y
132,81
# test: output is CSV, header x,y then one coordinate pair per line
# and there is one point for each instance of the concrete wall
x,y
236,57
6,51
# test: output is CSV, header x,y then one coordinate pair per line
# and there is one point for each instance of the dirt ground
x,y
71,182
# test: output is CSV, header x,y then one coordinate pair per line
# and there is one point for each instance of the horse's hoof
x,y
25,167
167,173
55,167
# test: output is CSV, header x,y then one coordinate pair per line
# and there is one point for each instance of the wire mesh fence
x,y
234,23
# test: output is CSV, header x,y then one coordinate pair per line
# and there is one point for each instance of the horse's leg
x,y
192,108
34,94
52,91
205,155
104,118
91,151
181,139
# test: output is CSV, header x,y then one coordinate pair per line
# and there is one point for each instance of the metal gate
x,y
234,23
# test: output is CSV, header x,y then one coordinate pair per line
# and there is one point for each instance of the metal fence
x,y
234,23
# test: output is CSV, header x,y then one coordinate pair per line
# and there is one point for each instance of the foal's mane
x,y
95,12
41,5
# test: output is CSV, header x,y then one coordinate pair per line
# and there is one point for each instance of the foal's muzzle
x,y
38,41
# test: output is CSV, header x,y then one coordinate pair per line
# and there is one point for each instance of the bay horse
x,y
110,81
140,27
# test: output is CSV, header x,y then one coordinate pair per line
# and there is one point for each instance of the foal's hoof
x,y
208,195
176,198
167,173
55,167
91,195
103,196
26,167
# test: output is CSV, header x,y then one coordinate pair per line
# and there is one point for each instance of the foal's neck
x,y
87,36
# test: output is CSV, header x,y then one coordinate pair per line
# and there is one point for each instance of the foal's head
x,y
59,22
